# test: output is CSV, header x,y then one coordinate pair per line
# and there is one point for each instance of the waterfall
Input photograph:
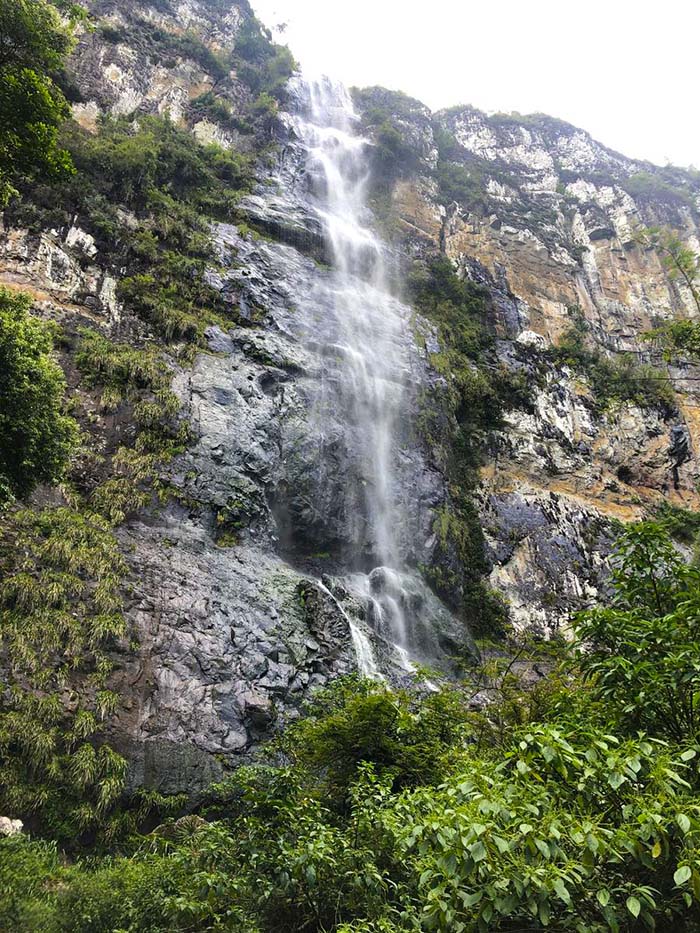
x,y
364,654
363,327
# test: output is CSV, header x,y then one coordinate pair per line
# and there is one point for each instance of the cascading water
x,y
363,327
349,493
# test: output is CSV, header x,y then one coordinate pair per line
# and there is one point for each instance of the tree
x,y
683,265
36,436
681,262
641,654
33,47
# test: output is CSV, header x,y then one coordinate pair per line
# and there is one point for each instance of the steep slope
x,y
304,504
548,221
275,505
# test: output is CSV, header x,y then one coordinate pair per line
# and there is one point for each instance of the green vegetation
x,y
172,187
642,652
392,154
36,436
60,608
463,177
209,106
682,265
460,181
473,397
680,261
574,805
682,524
33,47
262,65
613,380
148,192
62,581
140,379
465,184
538,121
384,115
654,187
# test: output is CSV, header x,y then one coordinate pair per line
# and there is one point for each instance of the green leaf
x,y
603,897
542,847
470,900
695,884
682,874
562,891
683,821
633,906
478,851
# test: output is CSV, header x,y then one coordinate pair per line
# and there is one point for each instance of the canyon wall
x,y
251,579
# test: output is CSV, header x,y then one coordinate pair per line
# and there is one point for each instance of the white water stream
x,y
365,333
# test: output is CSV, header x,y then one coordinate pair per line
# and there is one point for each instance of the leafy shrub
x,y
262,65
359,721
36,436
573,831
393,153
211,107
682,524
465,184
642,652
175,186
128,374
615,380
32,107
27,869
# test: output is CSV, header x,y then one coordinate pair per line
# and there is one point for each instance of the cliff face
x,y
547,219
250,582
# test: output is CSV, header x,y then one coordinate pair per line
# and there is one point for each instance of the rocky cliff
x,y
248,544
547,219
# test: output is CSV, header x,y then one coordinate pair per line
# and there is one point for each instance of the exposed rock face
x,y
249,586
134,61
249,593
547,223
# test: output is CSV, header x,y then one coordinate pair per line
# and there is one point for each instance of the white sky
x,y
625,70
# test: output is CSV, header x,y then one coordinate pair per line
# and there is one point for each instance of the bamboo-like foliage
x,y
140,377
60,607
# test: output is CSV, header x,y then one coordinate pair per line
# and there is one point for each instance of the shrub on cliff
x,y
36,436
33,47
641,651
613,380
264,66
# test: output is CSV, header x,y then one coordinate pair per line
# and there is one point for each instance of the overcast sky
x,y
625,70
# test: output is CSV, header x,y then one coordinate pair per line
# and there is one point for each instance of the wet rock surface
x,y
253,590
260,581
